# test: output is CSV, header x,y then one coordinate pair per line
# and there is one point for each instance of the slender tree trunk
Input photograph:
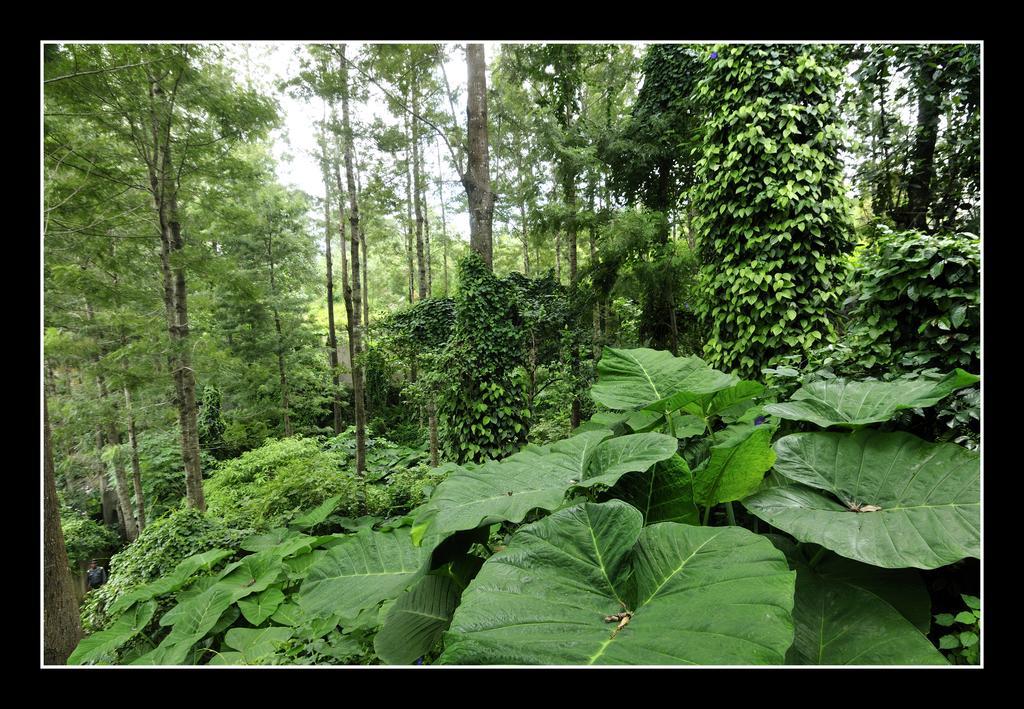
x,y
569,185
366,285
62,628
432,415
133,440
332,335
357,369
444,222
114,439
350,315
526,241
409,161
426,222
164,190
477,179
919,191
596,310
421,266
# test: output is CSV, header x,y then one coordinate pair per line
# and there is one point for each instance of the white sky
x,y
294,145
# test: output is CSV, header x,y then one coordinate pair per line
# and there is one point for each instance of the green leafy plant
x,y
962,642
773,218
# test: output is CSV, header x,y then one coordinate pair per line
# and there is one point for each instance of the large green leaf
x,y
192,621
260,606
99,645
417,620
318,515
256,644
653,379
362,571
698,595
662,494
843,622
172,581
837,402
536,478
736,467
928,495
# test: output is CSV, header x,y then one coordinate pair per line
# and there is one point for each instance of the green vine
x,y
774,221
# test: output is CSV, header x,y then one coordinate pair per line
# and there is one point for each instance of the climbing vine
x,y
774,221
483,409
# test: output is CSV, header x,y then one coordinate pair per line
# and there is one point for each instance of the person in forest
x,y
97,575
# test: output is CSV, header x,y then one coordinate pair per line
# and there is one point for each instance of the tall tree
x,y
477,180
357,367
62,628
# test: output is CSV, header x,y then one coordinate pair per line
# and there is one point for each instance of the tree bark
x,y
357,369
919,190
366,284
350,316
332,333
164,191
62,628
421,266
477,179
444,222
409,160
133,440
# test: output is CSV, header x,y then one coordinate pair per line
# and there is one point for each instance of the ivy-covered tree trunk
x,y
356,297
774,219
366,281
477,180
62,628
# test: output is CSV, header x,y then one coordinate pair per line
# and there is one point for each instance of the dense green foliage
x,y
772,213
701,388
916,304
484,405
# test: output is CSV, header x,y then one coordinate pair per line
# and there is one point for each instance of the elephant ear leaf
x,y
360,572
844,618
536,478
101,644
590,585
837,402
642,378
417,620
886,499
736,466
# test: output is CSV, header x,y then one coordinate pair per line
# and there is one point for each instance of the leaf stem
x,y
730,514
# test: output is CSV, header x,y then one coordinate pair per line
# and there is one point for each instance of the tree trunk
x,y
357,369
444,222
62,628
285,409
114,439
421,266
366,284
919,190
477,179
526,241
596,310
432,412
409,160
332,334
163,188
133,440
346,291
569,186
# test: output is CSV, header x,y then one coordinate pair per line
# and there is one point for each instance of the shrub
x,y
85,538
